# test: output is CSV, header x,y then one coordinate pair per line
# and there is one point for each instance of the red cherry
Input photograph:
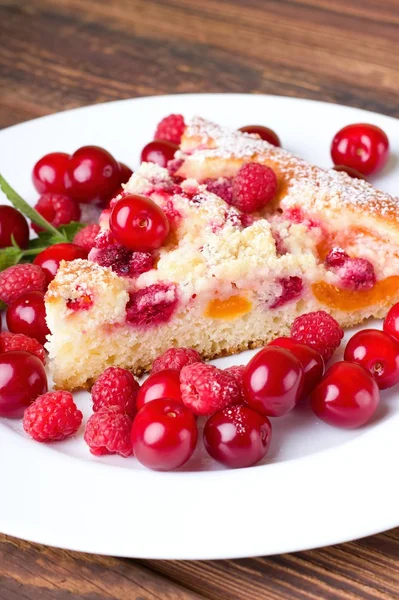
x,y
159,152
13,225
48,174
265,133
347,396
362,147
162,384
237,436
138,223
164,435
391,322
273,381
50,258
22,380
125,173
377,352
27,314
312,362
349,171
92,176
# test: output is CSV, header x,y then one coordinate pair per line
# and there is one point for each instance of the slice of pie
x,y
224,281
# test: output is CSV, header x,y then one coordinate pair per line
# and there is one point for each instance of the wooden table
x,y
66,53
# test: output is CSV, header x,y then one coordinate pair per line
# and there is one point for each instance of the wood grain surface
x,y
59,54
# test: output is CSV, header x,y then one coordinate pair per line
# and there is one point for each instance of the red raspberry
x,y
52,416
222,187
19,341
115,387
116,257
104,239
336,257
86,236
237,371
206,389
57,209
18,279
176,359
170,129
108,432
357,274
318,330
291,289
152,305
140,262
253,187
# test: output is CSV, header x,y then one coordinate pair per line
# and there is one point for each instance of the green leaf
x,y
71,229
20,204
9,256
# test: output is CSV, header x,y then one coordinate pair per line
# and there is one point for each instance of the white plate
x,y
318,486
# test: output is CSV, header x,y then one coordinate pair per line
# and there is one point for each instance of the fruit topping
x,y
336,257
291,290
27,315
161,384
228,308
357,274
108,432
349,299
50,258
222,187
86,237
170,129
115,387
57,209
138,223
254,186
13,225
175,358
159,152
206,389
83,302
237,436
164,435
48,174
52,417
22,380
320,331
21,278
18,341
347,396
152,305
265,133
362,147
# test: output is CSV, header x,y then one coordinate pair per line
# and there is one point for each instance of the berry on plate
x,y
206,389
86,237
22,380
164,435
52,417
50,258
362,147
265,133
125,173
237,371
312,362
377,352
115,387
273,381
92,175
138,223
254,186
27,315
320,331
108,432
19,341
170,129
391,322
13,225
48,174
19,279
347,396
349,171
57,209
161,384
237,436
175,358
159,152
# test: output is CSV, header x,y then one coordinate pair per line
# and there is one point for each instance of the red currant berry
x,y
22,380
377,352
50,258
391,322
237,436
362,147
265,133
273,381
13,225
347,396
164,435
312,362
125,173
159,152
162,384
138,223
27,315
92,176
349,171
48,174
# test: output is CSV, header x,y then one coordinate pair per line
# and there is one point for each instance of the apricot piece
x,y
342,299
228,308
